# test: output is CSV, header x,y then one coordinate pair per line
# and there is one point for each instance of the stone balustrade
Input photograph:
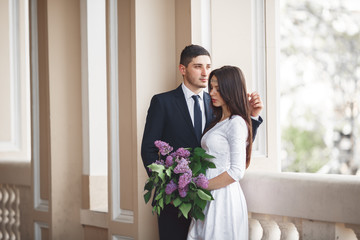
x,y
266,227
9,212
282,206
287,206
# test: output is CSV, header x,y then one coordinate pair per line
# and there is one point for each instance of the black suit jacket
x,y
168,120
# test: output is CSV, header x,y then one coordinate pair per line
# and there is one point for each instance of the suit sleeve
x,y
255,125
153,131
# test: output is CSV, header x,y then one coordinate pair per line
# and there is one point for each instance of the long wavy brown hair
x,y
232,88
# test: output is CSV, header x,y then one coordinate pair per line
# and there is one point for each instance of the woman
x,y
229,140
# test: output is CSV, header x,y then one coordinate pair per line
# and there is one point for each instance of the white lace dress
x,y
226,217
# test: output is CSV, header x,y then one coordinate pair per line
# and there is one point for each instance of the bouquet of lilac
x,y
178,178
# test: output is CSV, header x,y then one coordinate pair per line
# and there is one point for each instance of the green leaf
x,y
160,195
207,156
167,199
203,195
208,193
161,203
156,167
199,151
177,202
185,208
190,197
159,169
200,202
195,168
168,172
198,214
202,170
192,187
158,210
147,196
207,164
156,181
149,185
162,176
211,165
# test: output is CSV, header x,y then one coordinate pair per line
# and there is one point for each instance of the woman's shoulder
x,y
237,127
237,119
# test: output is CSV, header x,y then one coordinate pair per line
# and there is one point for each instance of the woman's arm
x,y
220,181
237,135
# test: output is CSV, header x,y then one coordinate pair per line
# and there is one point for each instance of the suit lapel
x,y
208,110
182,106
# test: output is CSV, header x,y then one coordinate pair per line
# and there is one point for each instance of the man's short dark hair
x,y
190,52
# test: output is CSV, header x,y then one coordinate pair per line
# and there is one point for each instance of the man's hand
x,y
256,104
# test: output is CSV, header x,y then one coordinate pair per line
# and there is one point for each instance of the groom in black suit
x,y
171,119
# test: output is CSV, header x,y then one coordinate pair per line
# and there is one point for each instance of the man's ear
x,y
182,69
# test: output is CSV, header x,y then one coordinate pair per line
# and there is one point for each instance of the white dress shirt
x,y
190,103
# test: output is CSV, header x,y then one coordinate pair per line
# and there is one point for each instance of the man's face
x,y
197,72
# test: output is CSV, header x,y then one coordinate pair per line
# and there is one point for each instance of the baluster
x,y
355,228
12,206
1,213
255,229
271,230
4,213
288,231
16,226
9,213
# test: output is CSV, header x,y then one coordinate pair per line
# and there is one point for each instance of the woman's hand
x,y
256,104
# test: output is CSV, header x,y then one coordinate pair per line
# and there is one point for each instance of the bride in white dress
x,y
229,140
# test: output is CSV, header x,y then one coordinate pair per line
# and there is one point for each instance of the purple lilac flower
x,y
177,158
201,181
182,152
182,166
170,187
183,191
169,161
163,147
160,162
184,180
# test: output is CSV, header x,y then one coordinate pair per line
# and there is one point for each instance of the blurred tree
x,y
324,37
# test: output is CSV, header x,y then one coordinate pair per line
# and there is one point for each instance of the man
x,y
173,117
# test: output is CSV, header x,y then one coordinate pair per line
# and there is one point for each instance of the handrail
x,y
17,173
322,197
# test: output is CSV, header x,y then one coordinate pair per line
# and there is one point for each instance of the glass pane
x,y
320,86
95,103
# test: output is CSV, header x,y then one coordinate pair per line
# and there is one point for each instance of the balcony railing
x,y
302,206
281,205
15,200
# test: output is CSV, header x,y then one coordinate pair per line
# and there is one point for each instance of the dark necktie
x,y
197,117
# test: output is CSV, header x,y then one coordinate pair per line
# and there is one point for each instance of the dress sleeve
x,y
237,134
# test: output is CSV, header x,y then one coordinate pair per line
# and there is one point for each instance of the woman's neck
x,y
225,113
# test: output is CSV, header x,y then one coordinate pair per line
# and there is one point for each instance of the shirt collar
x,y
188,93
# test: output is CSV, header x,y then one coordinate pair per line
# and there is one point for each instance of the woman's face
x,y
216,98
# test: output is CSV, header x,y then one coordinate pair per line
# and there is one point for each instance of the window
x,y
15,128
95,102
320,86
